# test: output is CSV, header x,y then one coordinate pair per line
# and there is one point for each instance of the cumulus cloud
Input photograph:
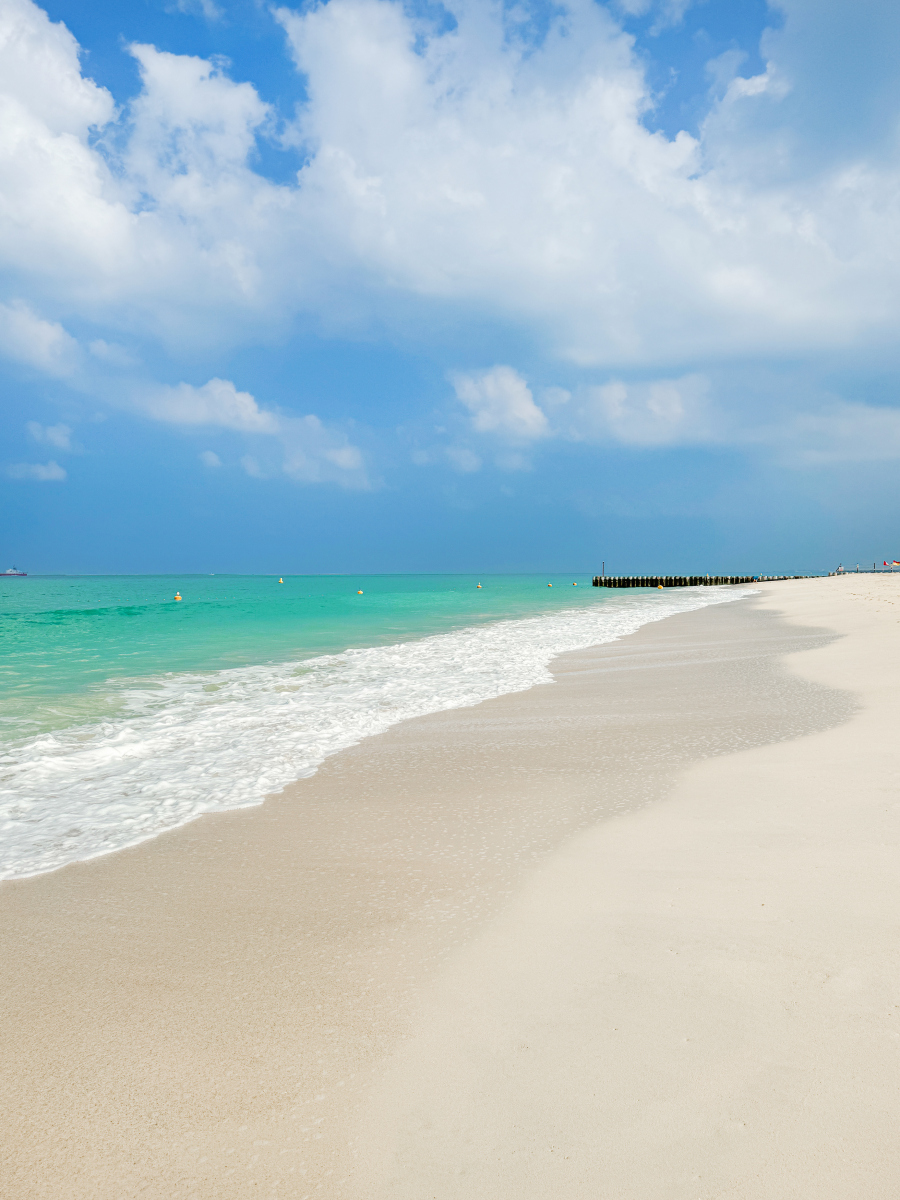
x,y
470,167
217,402
654,412
693,410
62,225
457,167
500,401
59,436
448,164
50,472
209,458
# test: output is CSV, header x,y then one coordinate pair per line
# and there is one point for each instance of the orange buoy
x,y
574,585
549,585
659,586
359,593
478,585
178,595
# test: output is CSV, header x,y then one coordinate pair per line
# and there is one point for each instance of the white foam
x,y
188,744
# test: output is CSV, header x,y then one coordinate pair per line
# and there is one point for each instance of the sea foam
x,y
185,744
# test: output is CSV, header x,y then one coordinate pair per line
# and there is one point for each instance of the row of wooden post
x,y
655,581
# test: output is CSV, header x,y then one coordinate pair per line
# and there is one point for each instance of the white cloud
x,y
59,436
451,171
455,167
500,401
40,472
192,128
217,402
441,165
655,413
61,224
29,339
209,458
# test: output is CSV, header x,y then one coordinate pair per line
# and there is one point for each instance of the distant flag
x,y
895,563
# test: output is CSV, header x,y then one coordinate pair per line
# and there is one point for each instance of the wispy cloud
x,y
59,436
204,8
27,338
50,472
303,448
463,459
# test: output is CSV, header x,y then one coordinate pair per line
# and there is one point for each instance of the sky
x,y
372,286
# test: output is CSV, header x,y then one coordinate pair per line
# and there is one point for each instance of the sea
x,y
125,712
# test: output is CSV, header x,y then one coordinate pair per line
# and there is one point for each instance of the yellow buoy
x,y
659,585
178,595
359,593
478,585
281,581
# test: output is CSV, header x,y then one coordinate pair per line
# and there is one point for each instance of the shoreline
x,y
181,1005
184,744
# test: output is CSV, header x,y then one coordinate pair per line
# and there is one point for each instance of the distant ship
x,y
13,571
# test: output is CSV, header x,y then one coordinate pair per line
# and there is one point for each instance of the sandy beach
x,y
630,935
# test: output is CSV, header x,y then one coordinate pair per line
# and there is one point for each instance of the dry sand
x,y
634,935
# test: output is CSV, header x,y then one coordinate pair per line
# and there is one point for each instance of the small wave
x,y
184,744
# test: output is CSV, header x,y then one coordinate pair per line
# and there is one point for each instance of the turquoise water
x,y
66,639
125,713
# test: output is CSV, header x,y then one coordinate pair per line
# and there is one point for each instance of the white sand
x,y
701,999
536,949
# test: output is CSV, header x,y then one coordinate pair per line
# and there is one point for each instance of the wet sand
x,y
519,949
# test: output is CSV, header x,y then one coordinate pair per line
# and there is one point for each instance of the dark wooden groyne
x,y
666,581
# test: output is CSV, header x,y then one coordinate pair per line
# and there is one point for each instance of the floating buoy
x,y
659,586
178,595
549,585
478,585
281,581
359,593
574,585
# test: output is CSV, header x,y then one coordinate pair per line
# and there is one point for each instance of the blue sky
x,y
365,286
